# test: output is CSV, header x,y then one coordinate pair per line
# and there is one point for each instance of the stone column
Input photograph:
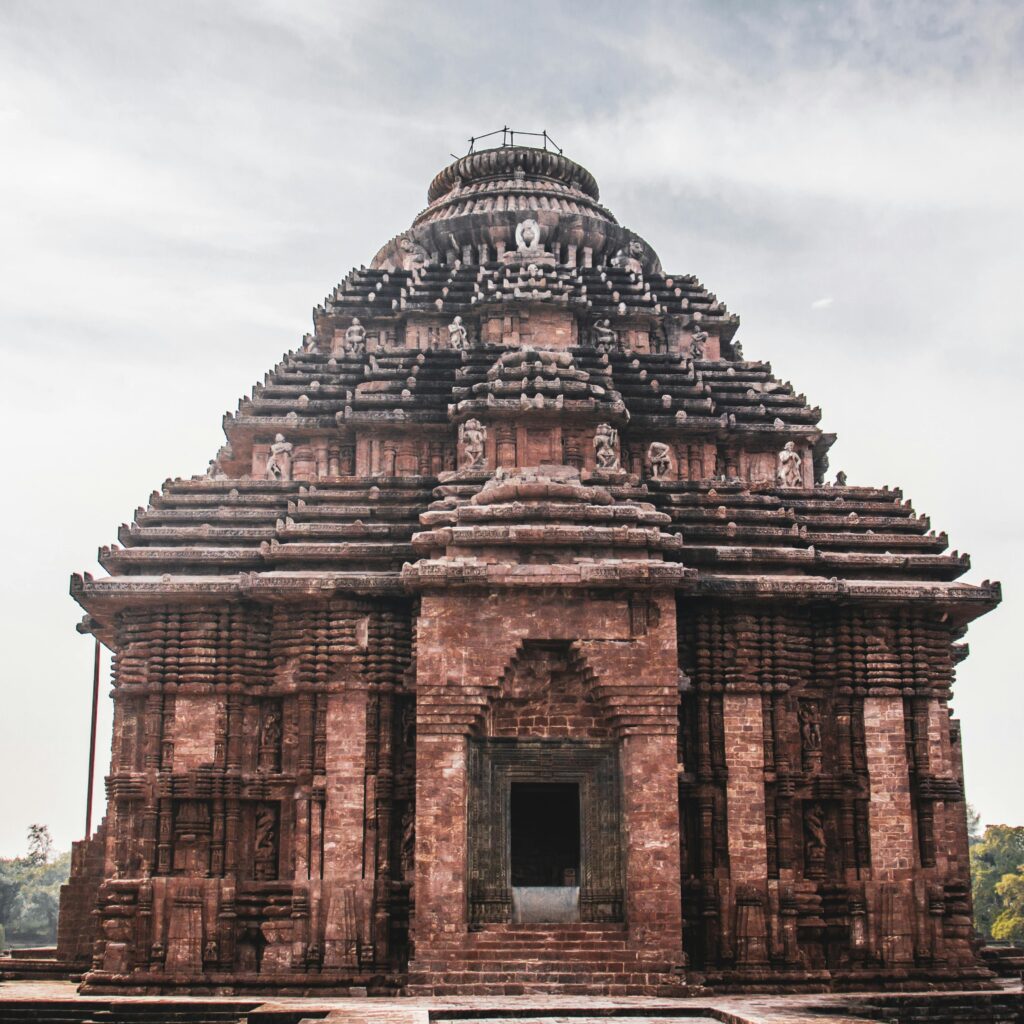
x,y
743,727
440,839
744,758
891,828
343,822
889,812
651,811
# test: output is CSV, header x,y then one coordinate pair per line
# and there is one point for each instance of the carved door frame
x,y
494,764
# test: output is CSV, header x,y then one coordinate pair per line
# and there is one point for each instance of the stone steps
x,y
576,959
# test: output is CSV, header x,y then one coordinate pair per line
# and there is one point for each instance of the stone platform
x,y
49,1002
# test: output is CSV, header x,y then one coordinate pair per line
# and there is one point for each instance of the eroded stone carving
x,y
279,463
659,459
265,847
791,467
458,336
528,235
414,256
605,447
355,338
473,436
697,342
605,337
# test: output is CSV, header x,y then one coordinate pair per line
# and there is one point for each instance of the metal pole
x,y
92,739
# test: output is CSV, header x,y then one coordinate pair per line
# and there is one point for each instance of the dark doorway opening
x,y
545,820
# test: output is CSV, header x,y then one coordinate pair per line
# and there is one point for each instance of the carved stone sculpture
x,y
355,338
697,342
840,479
279,463
605,440
659,459
458,336
791,467
810,727
814,832
265,847
270,741
473,435
810,735
414,256
630,256
605,338
528,235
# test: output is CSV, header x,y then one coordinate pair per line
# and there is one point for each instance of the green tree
x,y
997,856
1009,925
30,891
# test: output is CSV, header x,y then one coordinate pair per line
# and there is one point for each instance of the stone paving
x,y
539,1009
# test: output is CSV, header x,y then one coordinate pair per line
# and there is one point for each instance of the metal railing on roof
x,y
508,138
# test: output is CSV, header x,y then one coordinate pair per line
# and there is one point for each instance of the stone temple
x,y
514,641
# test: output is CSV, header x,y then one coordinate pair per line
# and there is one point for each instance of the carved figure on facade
x,y
265,845
458,336
810,727
791,467
659,459
697,342
840,479
528,235
605,337
279,462
630,256
414,256
606,440
473,437
814,838
407,856
809,716
270,741
355,338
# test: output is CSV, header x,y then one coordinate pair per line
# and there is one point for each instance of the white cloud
x,y
822,303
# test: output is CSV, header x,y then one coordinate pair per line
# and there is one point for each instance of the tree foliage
x,y
30,891
997,881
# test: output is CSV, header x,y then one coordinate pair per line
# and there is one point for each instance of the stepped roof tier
x,y
461,318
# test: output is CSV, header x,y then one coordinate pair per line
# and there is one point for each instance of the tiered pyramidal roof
x,y
517,325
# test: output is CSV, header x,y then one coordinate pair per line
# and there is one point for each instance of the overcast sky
x,y
182,181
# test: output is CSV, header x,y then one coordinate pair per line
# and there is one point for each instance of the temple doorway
x,y
545,837
544,831
544,851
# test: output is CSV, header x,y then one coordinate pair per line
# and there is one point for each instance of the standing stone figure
x,y
814,832
810,728
355,338
697,342
659,459
265,846
458,336
279,464
473,434
840,479
605,441
604,336
791,467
